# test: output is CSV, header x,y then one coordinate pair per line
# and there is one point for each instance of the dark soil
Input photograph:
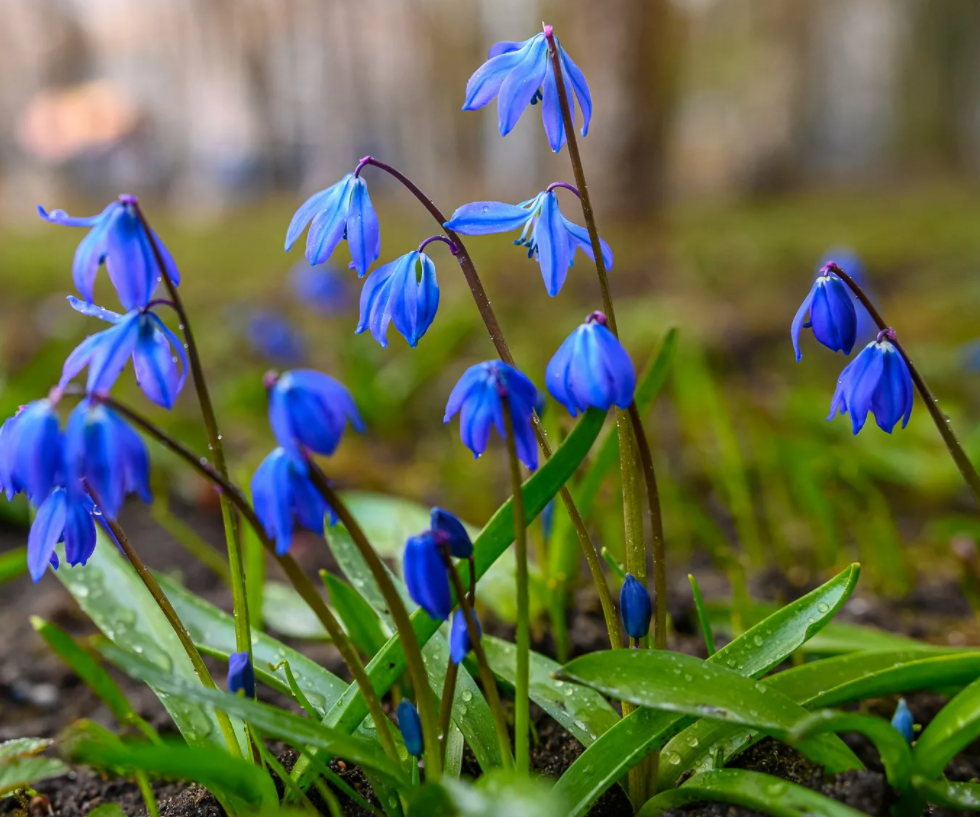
x,y
39,696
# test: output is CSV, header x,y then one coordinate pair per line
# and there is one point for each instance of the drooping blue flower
x,y
453,532
32,453
343,210
591,369
275,338
548,235
65,516
283,495
322,289
410,725
425,576
479,398
102,450
902,721
877,380
9,483
138,334
459,637
404,292
308,409
830,305
118,239
241,674
636,607
521,73
849,261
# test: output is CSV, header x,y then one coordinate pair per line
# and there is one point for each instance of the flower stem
x,y
243,637
959,456
293,571
446,704
522,715
396,607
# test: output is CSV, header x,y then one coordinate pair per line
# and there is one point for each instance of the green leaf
x,y
752,654
709,639
13,564
22,747
388,521
107,810
753,790
357,616
954,728
285,612
498,794
20,772
949,794
583,712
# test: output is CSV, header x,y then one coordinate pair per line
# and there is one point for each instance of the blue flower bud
x,y
32,457
877,380
397,293
410,725
65,516
459,637
425,576
241,675
832,315
902,720
637,609
453,532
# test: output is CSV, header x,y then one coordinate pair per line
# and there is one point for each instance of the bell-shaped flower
x,y
241,674
447,526
343,210
902,721
550,237
591,369
636,607
410,725
139,334
849,261
118,239
283,495
479,398
322,289
32,451
425,576
877,380
104,451
404,292
65,516
833,317
459,637
519,74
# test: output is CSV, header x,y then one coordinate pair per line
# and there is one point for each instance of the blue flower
x,y
308,409
118,239
410,726
459,637
425,576
341,211
321,289
453,533
241,674
519,74
851,263
138,334
275,338
591,369
877,380
397,293
634,601
283,493
902,721
832,315
548,235
32,451
479,397
102,450
65,516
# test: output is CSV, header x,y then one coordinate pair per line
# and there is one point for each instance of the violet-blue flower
x,y
521,73
65,516
322,289
425,576
32,454
118,239
479,399
241,674
448,526
637,609
877,380
459,637
833,317
283,495
343,210
548,235
591,369
410,725
308,409
902,721
139,334
849,261
275,338
404,292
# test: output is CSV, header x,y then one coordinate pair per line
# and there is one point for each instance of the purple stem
x,y
452,247
566,185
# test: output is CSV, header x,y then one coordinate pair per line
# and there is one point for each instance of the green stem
x,y
149,798
446,704
396,608
522,714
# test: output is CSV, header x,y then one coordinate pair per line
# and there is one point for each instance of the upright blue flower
x,y
275,338
902,721
118,239
282,493
343,210
241,674
308,409
479,398
31,457
410,726
877,380
591,369
832,315
459,637
637,609
453,533
102,450
138,334
65,516
425,576
321,289
548,235
519,74
397,293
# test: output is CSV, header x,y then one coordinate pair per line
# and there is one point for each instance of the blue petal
x,y
153,360
80,357
363,230
504,47
92,454
89,255
459,637
79,530
571,72
46,532
135,460
428,298
580,239
38,453
798,323
457,397
425,576
864,380
551,240
620,367
111,353
448,524
487,217
403,301
375,295
329,224
313,205
94,311
892,399
554,126
410,725
62,218
480,411
485,83
308,503
556,374
129,259
521,84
